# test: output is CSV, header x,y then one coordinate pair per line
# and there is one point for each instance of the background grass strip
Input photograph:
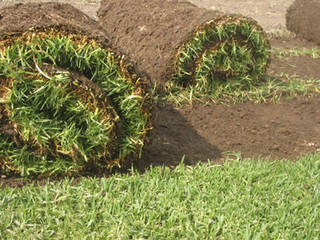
x,y
280,52
234,91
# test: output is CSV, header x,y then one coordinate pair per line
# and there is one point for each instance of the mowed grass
x,y
242,199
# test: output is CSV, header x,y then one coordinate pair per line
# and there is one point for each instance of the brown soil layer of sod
x,y
62,26
20,17
171,41
303,18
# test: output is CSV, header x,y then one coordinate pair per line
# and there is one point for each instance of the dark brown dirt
x,y
292,43
287,129
303,18
269,14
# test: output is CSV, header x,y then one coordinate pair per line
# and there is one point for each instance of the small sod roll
x,y
174,42
69,102
303,18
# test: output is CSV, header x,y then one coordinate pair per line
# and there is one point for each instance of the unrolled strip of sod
x,y
303,18
175,42
69,103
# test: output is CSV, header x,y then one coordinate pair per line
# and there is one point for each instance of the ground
x,y
287,129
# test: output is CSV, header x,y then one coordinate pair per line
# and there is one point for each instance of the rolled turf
x,y
69,102
303,19
177,43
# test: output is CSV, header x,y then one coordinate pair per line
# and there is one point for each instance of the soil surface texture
x,y
303,18
287,129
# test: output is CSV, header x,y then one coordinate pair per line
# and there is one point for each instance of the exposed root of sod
x,y
68,105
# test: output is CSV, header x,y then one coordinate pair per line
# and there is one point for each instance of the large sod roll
x,y
303,18
175,42
69,103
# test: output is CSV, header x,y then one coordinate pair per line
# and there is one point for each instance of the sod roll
x,y
174,42
303,18
69,102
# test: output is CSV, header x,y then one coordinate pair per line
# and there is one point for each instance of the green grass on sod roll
x,y
229,48
67,105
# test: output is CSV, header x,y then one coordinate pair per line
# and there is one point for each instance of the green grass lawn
x,y
243,199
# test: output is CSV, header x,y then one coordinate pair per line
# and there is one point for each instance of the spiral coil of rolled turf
x,y
69,103
177,43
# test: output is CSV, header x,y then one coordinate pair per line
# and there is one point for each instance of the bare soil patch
x,y
287,129
302,66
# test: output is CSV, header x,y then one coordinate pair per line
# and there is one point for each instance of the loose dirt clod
x,y
303,18
175,42
69,102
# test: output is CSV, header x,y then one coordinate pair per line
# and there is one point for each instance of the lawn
x,y
242,199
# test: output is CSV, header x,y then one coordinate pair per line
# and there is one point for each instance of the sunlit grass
x,y
243,199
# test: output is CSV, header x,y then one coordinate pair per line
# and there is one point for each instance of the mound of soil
x,y
303,18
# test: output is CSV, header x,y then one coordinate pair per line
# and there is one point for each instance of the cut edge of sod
x,y
87,110
230,47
